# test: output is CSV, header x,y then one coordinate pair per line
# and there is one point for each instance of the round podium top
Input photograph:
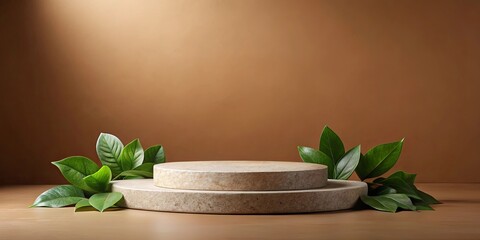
x,y
240,175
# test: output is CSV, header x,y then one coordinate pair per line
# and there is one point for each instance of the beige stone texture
x,y
143,194
240,175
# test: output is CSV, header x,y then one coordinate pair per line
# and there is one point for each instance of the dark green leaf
x,y
377,180
420,205
381,190
347,164
425,202
154,154
102,201
59,196
75,168
131,156
109,148
400,185
100,180
427,198
408,177
331,145
389,202
82,204
311,155
379,160
361,161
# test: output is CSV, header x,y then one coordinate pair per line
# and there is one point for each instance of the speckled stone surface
x,y
336,195
240,175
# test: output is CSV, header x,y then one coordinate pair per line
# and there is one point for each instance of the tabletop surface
x,y
457,218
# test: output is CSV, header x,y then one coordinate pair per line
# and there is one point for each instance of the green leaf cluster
x,y
331,153
90,183
397,191
128,161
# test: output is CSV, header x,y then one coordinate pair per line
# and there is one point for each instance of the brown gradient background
x,y
213,79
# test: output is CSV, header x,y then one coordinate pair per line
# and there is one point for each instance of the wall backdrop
x,y
219,80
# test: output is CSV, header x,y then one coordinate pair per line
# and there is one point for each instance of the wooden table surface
x,y
457,218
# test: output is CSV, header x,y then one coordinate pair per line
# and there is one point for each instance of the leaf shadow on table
x,y
92,209
461,201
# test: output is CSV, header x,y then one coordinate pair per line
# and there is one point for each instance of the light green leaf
x,y
143,171
131,156
75,168
331,145
59,196
311,155
347,164
136,173
100,180
82,204
379,160
389,202
154,154
132,177
102,201
109,148
147,167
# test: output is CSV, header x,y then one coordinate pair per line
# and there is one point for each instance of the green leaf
x,y
380,203
59,196
131,156
311,155
144,171
154,154
346,166
400,185
136,173
381,190
148,167
389,202
100,180
427,198
379,160
331,144
109,148
132,177
408,177
102,201
75,168
82,204
362,159
402,201
422,206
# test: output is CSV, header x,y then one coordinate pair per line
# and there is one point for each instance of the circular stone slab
x,y
240,175
142,194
